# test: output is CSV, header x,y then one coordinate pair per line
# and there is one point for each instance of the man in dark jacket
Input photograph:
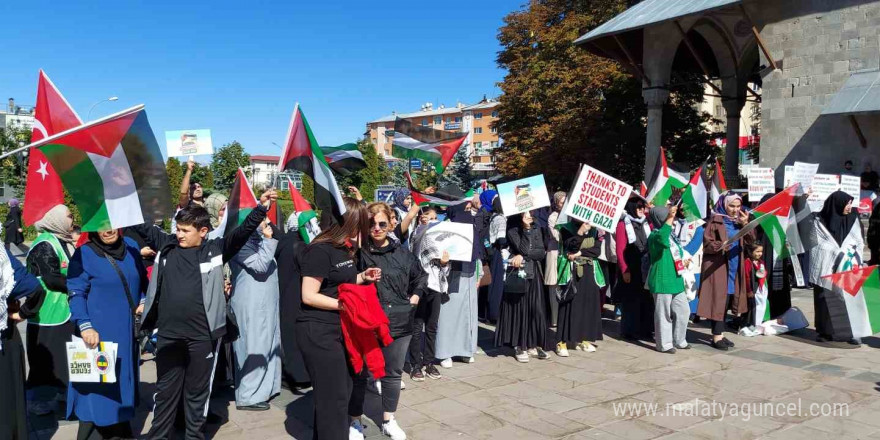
x,y
187,302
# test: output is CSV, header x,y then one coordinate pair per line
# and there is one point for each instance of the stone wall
x,y
819,43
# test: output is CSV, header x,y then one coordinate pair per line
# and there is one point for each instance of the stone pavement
x,y
585,396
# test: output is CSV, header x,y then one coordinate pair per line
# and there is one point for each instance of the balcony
x,y
483,166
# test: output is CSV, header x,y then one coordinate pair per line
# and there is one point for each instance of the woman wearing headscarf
x,y
49,328
12,225
665,282
496,248
254,300
522,321
15,283
551,274
290,248
836,245
723,280
636,304
106,283
580,317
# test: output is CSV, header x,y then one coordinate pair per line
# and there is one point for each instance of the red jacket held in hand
x,y
364,327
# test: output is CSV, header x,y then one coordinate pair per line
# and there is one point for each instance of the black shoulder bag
x,y
131,304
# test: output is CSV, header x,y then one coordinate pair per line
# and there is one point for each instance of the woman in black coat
x,y
522,323
12,225
290,247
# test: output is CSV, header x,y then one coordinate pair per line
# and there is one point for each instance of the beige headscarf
x,y
213,204
58,222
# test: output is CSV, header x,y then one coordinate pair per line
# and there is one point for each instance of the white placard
x,y
455,238
788,177
823,185
523,195
97,365
761,182
803,174
597,199
188,142
851,185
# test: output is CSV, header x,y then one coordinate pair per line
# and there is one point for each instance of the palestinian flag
x,y
113,169
862,298
241,202
302,153
421,142
718,185
274,215
776,226
344,159
665,180
423,199
695,198
306,219
52,115
643,189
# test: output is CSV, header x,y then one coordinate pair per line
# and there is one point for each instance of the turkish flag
x,y
52,115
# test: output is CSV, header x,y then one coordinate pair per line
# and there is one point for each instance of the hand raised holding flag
x,y
268,197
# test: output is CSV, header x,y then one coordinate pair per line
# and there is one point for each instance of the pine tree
x,y
459,171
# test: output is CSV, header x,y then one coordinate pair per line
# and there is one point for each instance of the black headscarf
x,y
633,204
657,216
115,249
832,216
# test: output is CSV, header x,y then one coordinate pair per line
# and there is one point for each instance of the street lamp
x,y
89,114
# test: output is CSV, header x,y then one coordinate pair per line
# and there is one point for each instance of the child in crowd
x,y
757,277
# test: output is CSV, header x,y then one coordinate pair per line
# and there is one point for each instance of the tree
x,y
562,106
374,174
459,171
174,170
225,164
398,179
14,171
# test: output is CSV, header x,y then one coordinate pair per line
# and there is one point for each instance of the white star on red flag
x,y
42,171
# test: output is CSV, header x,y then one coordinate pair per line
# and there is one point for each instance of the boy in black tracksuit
x,y
186,301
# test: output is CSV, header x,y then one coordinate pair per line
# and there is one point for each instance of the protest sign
x,y
597,199
823,185
455,238
803,174
523,195
866,201
91,364
188,142
761,183
851,185
788,177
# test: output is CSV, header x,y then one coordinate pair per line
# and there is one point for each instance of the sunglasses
x,y
382,225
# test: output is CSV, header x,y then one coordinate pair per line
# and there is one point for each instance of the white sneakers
x,y
521,356
586,346
356,430
470,360
562,349
393,430
446,363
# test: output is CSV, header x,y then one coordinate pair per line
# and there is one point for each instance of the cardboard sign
x,y
788,177
523,195
823,185
803,174
97,365
851,185
761,183
597,199
188,142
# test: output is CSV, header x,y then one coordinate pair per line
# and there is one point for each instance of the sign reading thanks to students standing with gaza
x,y
598,199
188,143
523,195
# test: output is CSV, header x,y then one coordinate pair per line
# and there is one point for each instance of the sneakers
x,y
393,430
521,356
417,375
562,349
541,354
469,360
670,351
586,346
261,406
446,363
356,430
431,371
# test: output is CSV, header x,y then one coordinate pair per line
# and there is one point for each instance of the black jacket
x,y
287,254
43,262
402,277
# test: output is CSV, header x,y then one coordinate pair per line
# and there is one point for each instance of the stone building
x,y
817,61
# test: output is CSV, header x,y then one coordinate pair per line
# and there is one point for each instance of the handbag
x,y
132,306
568,291
513,283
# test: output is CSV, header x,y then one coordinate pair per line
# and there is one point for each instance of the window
x,y
448,119
478,145
495,113
494,130
458,119
478,130
478,115
495,144
424,121
438,120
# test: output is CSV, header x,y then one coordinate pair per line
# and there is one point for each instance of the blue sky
x,y
238,68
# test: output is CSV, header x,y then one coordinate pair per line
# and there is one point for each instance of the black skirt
x,y
581,318
47,355
832,321
13,407
522,321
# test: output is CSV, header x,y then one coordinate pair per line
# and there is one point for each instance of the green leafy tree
x,y
397,177
225,164
14,170
174,169
368,179
562,106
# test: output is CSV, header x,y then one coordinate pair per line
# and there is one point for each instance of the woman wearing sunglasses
x,y
403,282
